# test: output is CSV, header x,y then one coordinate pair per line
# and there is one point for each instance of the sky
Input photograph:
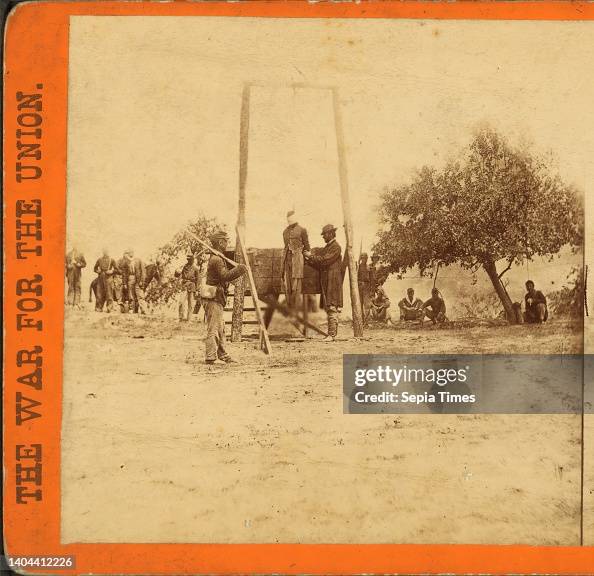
x,y
154,110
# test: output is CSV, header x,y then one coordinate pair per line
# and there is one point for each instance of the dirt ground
x,y
158,447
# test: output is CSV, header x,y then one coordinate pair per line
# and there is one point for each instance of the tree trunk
x,y
506,302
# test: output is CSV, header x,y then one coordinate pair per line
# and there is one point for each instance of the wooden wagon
x,y
267,266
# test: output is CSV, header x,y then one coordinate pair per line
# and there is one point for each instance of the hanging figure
x,y
296,243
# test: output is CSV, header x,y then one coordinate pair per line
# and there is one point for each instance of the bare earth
x,y
158,447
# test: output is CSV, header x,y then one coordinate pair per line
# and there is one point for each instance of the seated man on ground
x,y
435,308
536,305
411,307
380,306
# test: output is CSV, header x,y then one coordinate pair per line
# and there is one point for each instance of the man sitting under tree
x,y
435,308
536,305
411,307
380,306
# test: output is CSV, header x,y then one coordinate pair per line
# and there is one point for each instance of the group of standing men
x,y
123,281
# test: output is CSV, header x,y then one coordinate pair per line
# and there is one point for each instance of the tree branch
x,y
508,267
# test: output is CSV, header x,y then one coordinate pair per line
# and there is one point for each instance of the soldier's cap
x,y
290,213
328,228
220,235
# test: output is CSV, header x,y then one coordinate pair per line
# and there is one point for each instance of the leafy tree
x,y
171,253
494,207
569,300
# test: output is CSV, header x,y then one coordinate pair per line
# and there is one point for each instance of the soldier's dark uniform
x,y
190,280
105,267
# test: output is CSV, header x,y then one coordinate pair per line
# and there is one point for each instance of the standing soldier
x,y
105,268
75,262
329,262
120,283
214,298
372,274
296,243
190,279
364,287
136,281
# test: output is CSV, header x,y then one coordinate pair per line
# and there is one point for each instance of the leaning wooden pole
x,y
244,127
348,224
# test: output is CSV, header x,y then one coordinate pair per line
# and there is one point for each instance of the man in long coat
x,y
75,262
218,277
328,260
296,243
105,268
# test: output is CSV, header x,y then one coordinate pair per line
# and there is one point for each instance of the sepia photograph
x,y
252,201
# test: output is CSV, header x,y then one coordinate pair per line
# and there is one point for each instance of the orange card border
x,y
36,52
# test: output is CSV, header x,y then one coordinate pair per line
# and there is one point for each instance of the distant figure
x,y
435,308
136,283
75,262
105,268
218,277
411,308
329,262
372,274
364,286
153,272
120,283
380,306
537,310
190,281
296,243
